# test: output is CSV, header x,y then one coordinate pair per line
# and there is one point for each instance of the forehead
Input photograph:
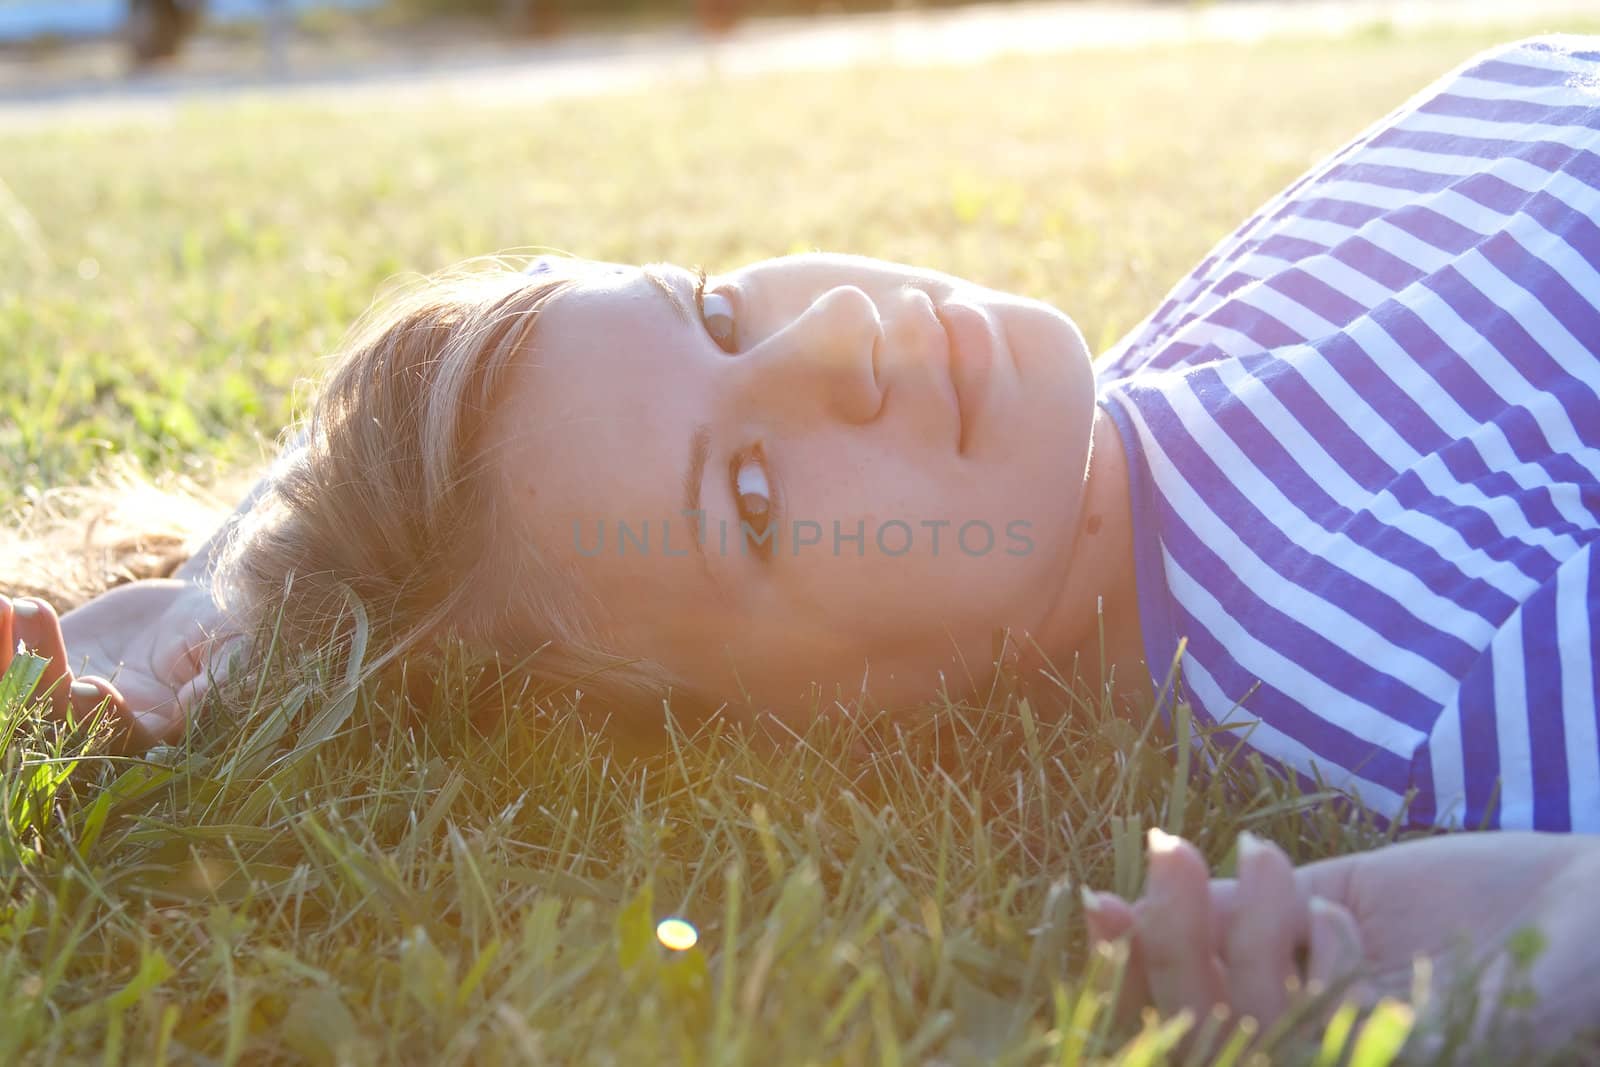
x,y
592,433
807,270
578,400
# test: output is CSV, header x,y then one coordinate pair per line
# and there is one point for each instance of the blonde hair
x,y
70,543
388,497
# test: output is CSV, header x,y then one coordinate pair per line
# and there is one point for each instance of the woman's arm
x,y
198,567
1473,903
151,648
147,650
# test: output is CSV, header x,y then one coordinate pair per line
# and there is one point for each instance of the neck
x,y
1093,629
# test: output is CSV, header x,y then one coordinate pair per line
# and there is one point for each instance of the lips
x,y
971,360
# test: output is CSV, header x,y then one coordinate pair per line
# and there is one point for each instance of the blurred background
x,y
151,31
198,197
47,46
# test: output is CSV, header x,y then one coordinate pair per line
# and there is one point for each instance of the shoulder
x,y
1442,173
1554,47
1565,50
1557,62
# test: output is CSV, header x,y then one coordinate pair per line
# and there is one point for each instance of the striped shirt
x,y
1364,452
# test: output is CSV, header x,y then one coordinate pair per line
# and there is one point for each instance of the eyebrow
x,y
693,477
700,438
656,274
699,452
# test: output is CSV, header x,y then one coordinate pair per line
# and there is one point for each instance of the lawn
x,y
359,882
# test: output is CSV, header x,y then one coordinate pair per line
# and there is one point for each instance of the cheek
x,y
781,672
883,478
886,545
905,591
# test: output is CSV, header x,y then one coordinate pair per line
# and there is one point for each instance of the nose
x,y
823,363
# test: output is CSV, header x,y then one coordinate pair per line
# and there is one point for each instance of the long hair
x,y
382,507
380,514
388,499
67,544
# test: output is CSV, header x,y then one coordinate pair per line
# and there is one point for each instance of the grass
x,y
357,880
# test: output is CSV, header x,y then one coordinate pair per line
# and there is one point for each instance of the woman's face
x,y
826,470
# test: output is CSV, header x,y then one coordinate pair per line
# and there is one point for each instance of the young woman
x,y
1350,470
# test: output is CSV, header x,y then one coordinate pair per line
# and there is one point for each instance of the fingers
x,y
1229,945
1335,940
1108,916
1173,925
197,652
8,643
34,624
1269,924
89,694
181,654
1109,920
203,660
165,723
218,656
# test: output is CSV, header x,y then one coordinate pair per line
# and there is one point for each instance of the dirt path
x,y
84,84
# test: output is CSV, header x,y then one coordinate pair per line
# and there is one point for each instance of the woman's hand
x,y
150,648
1459,899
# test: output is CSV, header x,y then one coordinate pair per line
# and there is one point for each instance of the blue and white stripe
x,y
1364,450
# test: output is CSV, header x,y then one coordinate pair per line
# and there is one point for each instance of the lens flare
x,y
676,934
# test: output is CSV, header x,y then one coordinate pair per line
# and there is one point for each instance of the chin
x,y
1038,331
1069,343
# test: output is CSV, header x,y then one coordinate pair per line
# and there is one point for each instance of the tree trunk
x,y
532,18
718,16
156,28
